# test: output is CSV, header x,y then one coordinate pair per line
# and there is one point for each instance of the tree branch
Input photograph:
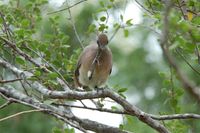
x,y
72,94
29,58
89,108
19,113
176,116
147,10
184,58
5,104
66,7
9,81
57,112
187,85
155,117
74,27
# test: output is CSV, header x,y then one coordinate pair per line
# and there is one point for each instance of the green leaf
x,y
44,2
37,73
112,0
121,17
114,108
101,3
65,39
126,32
101,10
25,23
179,92
184,25
68,130
42,47
173,102
102,27
128,22
116,25
52,75
103,18
20,32
166,82
121,90
56,130
109,6
162,74
91,28
19,60
121,126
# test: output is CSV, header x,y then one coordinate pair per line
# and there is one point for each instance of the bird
x,y
94,65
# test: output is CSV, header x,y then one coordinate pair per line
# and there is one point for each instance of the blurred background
x,y
138,62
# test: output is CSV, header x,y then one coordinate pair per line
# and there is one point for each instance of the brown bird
x,y
94,65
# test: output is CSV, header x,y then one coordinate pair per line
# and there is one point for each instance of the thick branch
x,y
133,110
85,123
176,116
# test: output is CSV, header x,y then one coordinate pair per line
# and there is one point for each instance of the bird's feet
x,y
99,88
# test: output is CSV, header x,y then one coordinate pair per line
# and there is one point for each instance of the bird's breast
x,y
100,72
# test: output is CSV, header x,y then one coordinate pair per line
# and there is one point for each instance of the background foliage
x,y
138,63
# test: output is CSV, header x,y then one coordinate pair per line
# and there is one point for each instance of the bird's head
x,y
102,41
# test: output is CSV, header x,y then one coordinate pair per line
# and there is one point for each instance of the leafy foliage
x,y
50,40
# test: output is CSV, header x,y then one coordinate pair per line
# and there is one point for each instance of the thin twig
x,y
5,104
90,108
184,58
182,8
20,113
64,82
117,29
143,7
5,27
184,11
74,27
107,16
8,81
29,58
156,117
66,7
150,5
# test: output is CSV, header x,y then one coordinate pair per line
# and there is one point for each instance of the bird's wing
x,y
76,72
76,75
110,70
88,53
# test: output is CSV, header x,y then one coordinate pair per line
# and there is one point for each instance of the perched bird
x,y
94,65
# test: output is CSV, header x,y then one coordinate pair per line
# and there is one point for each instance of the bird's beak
x,y
102,46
